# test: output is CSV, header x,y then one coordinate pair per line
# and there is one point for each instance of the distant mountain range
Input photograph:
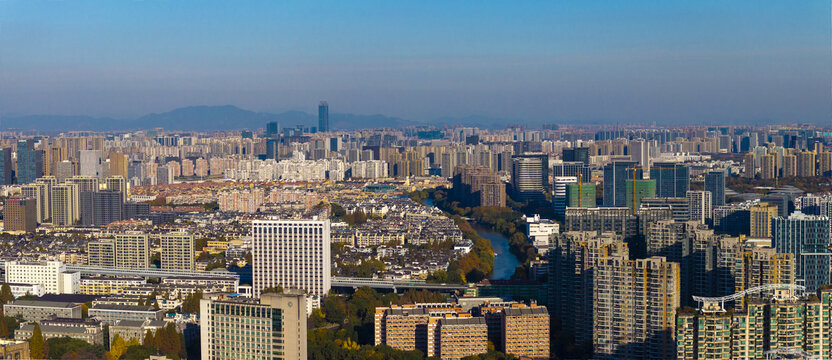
x,y
199,118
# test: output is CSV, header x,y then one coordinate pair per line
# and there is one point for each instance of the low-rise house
x,y
34,310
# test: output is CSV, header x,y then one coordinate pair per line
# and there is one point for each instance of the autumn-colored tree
x,y
167,339
133,342
117,348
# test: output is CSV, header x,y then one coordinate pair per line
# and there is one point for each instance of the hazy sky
x,y
558,61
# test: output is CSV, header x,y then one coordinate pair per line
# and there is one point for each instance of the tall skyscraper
x,y
6,166
672,179
715,183
66,204
292,254
700,205
101,253
768,166
118,183
118,164
615,176
323,117
272,129
529,176
272,149
272,328
99,208
806,164
749,166
634,308
573,168
20,214
639,151
789,165
559,196
825,166
85,182
807,238
177,251
64,170
29,162
779,326
132,250
761,215
91,163
42,194
478,186
580,195
637,190
572,259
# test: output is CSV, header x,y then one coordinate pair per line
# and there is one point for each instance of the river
x,y
504,261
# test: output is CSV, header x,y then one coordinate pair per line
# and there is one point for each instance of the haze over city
x,y
405,180
727,62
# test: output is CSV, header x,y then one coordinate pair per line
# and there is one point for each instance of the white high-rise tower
x,y
292,254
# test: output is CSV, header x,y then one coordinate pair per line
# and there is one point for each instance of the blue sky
x,y
560,61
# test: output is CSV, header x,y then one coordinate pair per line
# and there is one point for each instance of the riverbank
x,y
499,227
505,263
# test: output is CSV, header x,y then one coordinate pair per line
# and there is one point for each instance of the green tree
x,y
148,338
140,352
37,346
11,324
191,303
6,295
69,348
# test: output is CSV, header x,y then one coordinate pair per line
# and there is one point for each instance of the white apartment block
x,y
51,275
177,251
292,254
369,169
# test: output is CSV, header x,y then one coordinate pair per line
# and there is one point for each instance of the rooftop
x,y
123,307
37,303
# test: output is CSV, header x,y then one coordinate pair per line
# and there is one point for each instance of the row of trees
x,y
165,341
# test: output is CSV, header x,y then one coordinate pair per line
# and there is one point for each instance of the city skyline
x,y
713,62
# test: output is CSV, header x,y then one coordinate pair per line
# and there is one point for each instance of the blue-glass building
x,y
715,183
323,117
29,162
807,238
672,179
615,176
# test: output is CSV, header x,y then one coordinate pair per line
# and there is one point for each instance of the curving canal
x,y
504,261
